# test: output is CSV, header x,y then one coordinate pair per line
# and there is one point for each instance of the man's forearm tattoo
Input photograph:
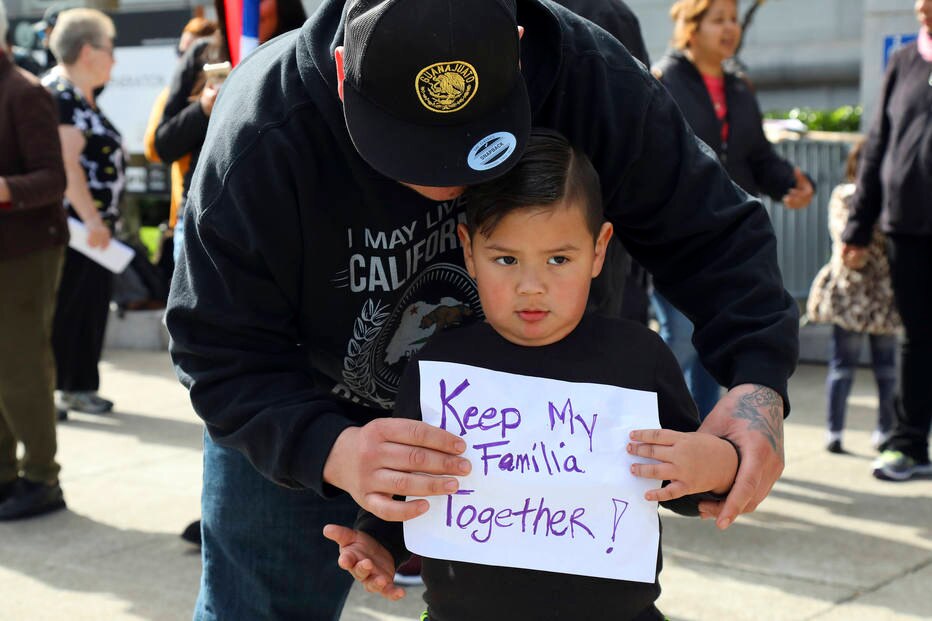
x,y
763,409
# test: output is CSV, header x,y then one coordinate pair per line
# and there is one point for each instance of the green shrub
x,y
843,119
151,238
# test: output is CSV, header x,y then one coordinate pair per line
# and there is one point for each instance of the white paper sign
x,y
551,486
115,258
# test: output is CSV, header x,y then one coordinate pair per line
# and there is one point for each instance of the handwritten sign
x,y
551,486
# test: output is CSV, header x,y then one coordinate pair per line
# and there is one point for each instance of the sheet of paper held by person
x,y
551,486
115,258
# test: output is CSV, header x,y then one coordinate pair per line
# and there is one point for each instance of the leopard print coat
x,y
856,300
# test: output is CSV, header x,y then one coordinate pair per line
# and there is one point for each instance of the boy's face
x,y
534,270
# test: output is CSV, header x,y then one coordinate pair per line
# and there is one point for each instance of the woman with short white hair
x,y
94,158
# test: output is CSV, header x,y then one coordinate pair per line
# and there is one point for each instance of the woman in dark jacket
x,y
722,110
191,97
894,186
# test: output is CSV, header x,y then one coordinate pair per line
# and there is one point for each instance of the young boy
x,y
533,241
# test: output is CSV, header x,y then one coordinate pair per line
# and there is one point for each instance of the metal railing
x,y
803,243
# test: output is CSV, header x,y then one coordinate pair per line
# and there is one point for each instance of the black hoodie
x,y
895,176
617,19
308,279
747,156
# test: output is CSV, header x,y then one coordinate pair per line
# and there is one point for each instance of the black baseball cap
x,y
433,93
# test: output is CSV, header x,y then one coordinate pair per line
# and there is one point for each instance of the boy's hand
x,y
692,462
366,559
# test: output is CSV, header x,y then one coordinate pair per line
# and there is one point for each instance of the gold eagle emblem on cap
x,y
446,87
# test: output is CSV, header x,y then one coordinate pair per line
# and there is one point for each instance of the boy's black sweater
x,y
612,352
895,177
308,279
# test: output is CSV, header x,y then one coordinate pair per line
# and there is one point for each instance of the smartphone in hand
x,y
216,73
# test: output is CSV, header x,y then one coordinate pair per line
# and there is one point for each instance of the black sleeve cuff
x,y
315,445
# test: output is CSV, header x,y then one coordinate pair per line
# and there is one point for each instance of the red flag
x,y
240,22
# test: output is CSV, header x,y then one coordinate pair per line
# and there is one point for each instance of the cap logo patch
x,y
491,151
446,87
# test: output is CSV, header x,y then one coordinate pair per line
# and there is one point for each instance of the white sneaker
x,y
833,442
88,402
897,466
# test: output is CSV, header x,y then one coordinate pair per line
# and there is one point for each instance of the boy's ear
x,y
466,242
601,244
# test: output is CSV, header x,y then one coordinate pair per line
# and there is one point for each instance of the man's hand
x,y
800,195
854,257
751,416
396,456
366,559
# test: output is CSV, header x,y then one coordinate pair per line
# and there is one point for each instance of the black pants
x,y
80,321
911,273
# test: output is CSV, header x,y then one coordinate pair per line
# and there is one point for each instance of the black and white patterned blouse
x,y
103,158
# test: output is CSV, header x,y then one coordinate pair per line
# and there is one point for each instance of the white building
x,y
805,52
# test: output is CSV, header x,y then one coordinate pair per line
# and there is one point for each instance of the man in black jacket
x,y
322,254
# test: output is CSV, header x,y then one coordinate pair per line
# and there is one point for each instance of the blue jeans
x,y
846,349
178,239
677,332
264,556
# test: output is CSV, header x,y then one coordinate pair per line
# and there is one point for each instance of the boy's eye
x,y
506,260
558,260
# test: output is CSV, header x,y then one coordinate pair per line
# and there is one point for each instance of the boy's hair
x,y
550,171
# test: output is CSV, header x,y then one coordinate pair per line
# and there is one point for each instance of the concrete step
x,y
138,329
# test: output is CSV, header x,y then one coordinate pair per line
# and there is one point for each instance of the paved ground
x,y
830,543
